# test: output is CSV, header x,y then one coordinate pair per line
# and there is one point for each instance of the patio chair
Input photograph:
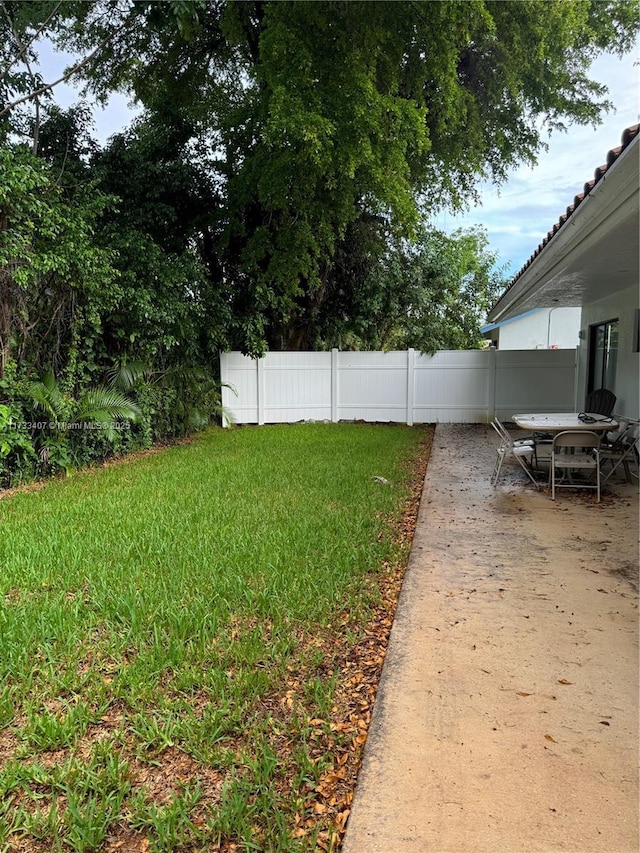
x,y
574,450
502,431
600,402
622,450
541,443
522,450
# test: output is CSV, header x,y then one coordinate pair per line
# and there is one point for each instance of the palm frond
x,y
125,375
45,394
106,405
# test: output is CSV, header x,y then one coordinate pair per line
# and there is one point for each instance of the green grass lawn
x,y
166,632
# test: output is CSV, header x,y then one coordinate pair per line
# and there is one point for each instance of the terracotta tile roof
x,y
628,136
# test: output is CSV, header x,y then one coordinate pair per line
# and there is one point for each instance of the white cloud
x,y
518,215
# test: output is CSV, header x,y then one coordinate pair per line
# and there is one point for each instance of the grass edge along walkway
x,y
190,643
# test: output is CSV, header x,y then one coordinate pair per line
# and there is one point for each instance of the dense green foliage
x,y
430,293
275,190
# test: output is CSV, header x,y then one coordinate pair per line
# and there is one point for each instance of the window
x,y
603,355
636,330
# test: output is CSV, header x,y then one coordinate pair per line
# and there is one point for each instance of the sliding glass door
x,y
603,356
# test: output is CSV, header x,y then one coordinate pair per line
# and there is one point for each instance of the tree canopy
x,y
310,117
276,190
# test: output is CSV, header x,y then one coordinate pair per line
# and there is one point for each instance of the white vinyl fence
x,y
469,386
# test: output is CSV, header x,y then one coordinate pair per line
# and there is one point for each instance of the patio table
x,y
560,421
555,422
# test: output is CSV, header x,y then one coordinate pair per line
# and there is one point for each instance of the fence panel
x,y
297,386
240,373
452,387
535,381
448,387
372,386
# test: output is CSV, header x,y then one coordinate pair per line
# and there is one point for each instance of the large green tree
x,y
320,127
55,281
430,293
271,195
161,232
314,116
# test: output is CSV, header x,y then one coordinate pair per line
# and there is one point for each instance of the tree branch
x,y
38,32
23,54
66,76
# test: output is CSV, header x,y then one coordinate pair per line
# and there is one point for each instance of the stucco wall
x,y
548,328
621,306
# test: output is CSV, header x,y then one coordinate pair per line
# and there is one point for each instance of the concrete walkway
x,y
507,715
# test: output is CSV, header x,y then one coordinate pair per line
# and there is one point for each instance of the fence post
x,y
491,387
223,388
411,354
260,389
334,386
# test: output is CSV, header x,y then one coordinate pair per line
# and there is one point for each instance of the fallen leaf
x,y
522,693
604,723
564,681
341,820
549,738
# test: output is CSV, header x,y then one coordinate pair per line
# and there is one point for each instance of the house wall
x,y
407,387
621,306
548,328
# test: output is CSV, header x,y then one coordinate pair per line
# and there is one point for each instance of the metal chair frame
x,y
624,448
587,458
520,450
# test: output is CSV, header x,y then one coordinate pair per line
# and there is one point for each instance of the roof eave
x,y
600,196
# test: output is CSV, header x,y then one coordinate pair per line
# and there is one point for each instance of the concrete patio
x,y
507,715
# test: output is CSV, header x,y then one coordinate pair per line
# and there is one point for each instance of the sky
x,y
516,216
118,113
